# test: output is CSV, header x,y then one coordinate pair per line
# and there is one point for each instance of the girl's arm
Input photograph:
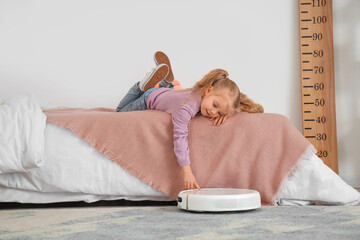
x,y
189,179
180,127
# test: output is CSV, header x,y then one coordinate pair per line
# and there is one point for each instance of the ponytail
x,y
209,80
248,105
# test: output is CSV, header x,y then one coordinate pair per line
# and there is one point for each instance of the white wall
x,y
87,53
347,86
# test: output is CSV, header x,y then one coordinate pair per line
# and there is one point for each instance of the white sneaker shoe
x,y
154,77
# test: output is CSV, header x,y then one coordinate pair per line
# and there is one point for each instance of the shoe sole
x,y
160,73
160,58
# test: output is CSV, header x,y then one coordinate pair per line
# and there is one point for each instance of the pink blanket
x,y
253,151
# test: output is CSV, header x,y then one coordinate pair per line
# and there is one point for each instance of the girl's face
x,y
214,105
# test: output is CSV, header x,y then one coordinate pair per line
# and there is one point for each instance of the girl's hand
x,y
219,120
189,179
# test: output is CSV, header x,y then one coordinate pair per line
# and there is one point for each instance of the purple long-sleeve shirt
x,y
182,105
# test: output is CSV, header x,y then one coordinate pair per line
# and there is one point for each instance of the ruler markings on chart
x,y
317,78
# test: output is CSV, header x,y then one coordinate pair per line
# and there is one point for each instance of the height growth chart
x,y
317,78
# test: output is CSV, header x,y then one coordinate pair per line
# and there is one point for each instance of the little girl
x,y
215,96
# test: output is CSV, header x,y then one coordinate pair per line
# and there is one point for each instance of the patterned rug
x,y
169,222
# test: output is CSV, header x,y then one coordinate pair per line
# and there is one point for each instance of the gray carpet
x,y
169,222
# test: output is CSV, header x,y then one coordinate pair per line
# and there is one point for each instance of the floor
x,y
268,222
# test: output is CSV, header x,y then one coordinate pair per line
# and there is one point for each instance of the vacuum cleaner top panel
x,y
220,191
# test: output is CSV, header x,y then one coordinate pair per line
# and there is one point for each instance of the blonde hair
x,y
219,80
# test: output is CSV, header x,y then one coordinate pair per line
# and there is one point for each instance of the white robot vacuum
x,y
219,200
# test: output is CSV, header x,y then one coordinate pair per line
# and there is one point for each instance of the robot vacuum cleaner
x,y
219,200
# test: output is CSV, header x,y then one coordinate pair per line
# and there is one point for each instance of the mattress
x,y
69,170
98,178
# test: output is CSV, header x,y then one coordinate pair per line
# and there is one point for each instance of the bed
x,y
45,163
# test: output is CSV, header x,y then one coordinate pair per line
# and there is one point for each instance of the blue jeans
x,y
135,99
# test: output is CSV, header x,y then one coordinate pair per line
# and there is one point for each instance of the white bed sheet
x,y
313,182
27,196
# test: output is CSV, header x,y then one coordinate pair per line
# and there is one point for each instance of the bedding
x,y
73,170
22,135
72,166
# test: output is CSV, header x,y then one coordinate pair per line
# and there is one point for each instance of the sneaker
x,y
160,58
154,77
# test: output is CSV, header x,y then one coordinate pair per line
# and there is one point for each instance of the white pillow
x,y
22,125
